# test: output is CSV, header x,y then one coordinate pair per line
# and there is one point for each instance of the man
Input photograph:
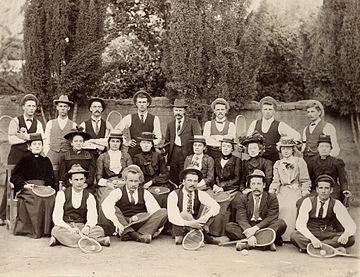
x,y
19,132
131,201
324,163
254,211
139,122
179,134
190,208
317,215
96,127
317,127
216,129
271,129
75,213
55,144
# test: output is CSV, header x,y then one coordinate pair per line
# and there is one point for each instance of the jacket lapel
x,y
263,204
185,123
250,205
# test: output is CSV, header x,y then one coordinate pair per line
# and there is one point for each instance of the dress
x,y
291,181
34,212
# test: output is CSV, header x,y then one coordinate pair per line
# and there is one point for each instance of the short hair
x,y
133,171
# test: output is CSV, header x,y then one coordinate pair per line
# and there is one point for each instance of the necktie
x,y
321,210
178,125
97,127
142,118
189,203
132,199
256,208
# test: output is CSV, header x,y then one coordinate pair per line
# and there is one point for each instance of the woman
x,y
34,212
291,182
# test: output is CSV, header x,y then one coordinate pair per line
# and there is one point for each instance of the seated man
x,y
75,212
185,205
132,200
317,216
34,212
254,211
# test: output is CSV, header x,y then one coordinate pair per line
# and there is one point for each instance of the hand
x,y
252,241
23,136
343,239
131,143
217,189
305,192
147,185
316,242
201,185
85,230
249,232
273,190
28,186
194,224
246,191
110,184
119,228
74,230
347,193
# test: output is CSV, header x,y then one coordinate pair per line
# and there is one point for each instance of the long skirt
x,y
287,197
34,218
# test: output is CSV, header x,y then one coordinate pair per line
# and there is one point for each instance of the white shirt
x,y
340,211
214,140
174,216
115,164
283,129
14,128
76,198
108,205
223,162
125,123
177,137
330,130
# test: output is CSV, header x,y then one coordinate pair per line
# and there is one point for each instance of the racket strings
x,y
89,245
193,240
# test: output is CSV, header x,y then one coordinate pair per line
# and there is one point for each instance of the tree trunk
x,y
75,111
43,115
355,125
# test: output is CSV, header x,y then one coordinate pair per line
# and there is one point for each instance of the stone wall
x,y
292,113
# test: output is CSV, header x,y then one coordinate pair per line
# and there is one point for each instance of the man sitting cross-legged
x,y
317,215
132,200
254,211
189,208
75,213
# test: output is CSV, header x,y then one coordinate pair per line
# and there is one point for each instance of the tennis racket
x,y
158,190
327,251
114,118
88,245
264,237
43,191
240,124
219,197
193,240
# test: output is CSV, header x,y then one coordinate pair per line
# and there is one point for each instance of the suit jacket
x,y
189,128
228,177
268,209
207,168
103,165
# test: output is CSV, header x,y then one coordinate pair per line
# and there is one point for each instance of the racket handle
x,y
228,243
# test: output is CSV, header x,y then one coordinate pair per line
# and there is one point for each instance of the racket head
x,y
89,245
240,124
158,190
138,218
43,191
222,196
265,237
114,118
315,252
193,240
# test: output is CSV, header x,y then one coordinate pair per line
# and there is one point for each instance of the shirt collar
x,y
76,193
318,200
95,119
315,122
65,119
220,121
144,114
26,117
268,120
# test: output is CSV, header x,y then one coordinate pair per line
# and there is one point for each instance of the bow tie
x,y
30,120
220,122
313,124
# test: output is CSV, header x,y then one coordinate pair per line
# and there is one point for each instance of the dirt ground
x,y
22,256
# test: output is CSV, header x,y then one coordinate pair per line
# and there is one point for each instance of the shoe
x,y
218,240
179,239
301,250
272,247
53,241
104,241
279,242
145,238
2,222
241,245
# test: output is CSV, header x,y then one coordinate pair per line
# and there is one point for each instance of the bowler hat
x,y
324,138
180,103
97,99
190,170
198,138
256,173
76,168
325,178
63,99
255,137
142,93
78,131
115,133
35,136
148,136
29,97
220,101
268,100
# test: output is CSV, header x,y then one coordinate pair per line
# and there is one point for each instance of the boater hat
x,y
76,168
228,139
192,171
144,93
29,97
180,103
63,99
115,133
97,99
220,101
198,138
78,131
325,178
148,136
285,141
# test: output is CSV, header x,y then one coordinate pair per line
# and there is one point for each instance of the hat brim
x,y
254,176
68,174
228,141
190,170
116,136
86,136
61,101
180,106
146,139
214,103
198,140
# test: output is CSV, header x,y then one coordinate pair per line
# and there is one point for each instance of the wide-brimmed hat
x,y
78,131
198,138
268,100
97,99
115,133
148,136
256,173
316,103
144,93
76,168
134,168
29,97
35,137
228,139
63,99
191,170
325,178
324,138
285,141
220,101
180,103
256,137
